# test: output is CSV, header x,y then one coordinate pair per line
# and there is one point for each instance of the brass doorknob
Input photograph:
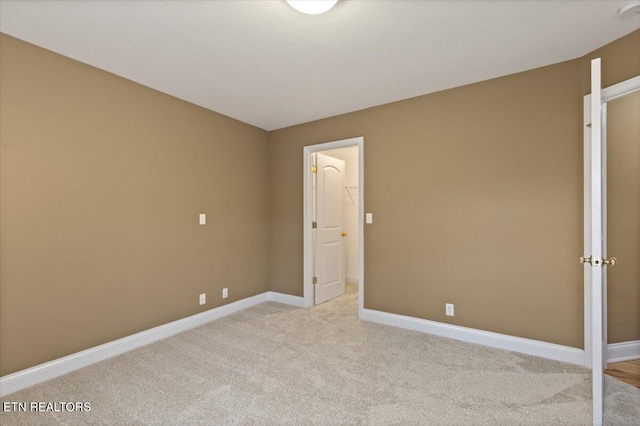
x,y
597,261
344,234
584,260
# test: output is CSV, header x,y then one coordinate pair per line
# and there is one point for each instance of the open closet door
x,y
329,253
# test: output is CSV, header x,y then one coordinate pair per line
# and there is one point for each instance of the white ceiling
x,y
263,63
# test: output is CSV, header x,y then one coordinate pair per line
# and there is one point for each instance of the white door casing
x,y
329,244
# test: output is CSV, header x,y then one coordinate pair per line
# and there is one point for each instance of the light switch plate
x,y
448,307
369,218
203,219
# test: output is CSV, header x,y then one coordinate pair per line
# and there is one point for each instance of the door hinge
x,y
315,280
314,169
314,225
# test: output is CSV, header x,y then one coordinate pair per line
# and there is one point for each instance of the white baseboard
x,y
471,335
624,351
49,370
288,299
352,280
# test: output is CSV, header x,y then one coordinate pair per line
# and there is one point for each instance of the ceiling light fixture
x,y
312,7
629,9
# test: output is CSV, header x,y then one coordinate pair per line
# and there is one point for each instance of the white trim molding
x,y
52,369
624,351
480,337
621,89
287,299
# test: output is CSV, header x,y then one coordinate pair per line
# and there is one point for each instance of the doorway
x,y
595,229
333,246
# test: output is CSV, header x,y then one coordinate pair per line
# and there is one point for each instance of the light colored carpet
x,y
278,365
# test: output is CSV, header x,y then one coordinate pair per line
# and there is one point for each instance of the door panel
x,y
331,177
329,247
332,254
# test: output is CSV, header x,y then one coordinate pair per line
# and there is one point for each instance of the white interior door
x,y
595,235
329,247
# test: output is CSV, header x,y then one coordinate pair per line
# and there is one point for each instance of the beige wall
x,y
477,199
102,181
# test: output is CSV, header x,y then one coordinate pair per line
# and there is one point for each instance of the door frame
x,y
307,201
609,94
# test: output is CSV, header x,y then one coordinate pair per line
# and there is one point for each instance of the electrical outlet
x,y
449,309
203,219
225,293
203,298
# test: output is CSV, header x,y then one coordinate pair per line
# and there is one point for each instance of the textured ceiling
x,y
266,64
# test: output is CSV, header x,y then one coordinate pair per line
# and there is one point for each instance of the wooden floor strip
x,y
627,371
